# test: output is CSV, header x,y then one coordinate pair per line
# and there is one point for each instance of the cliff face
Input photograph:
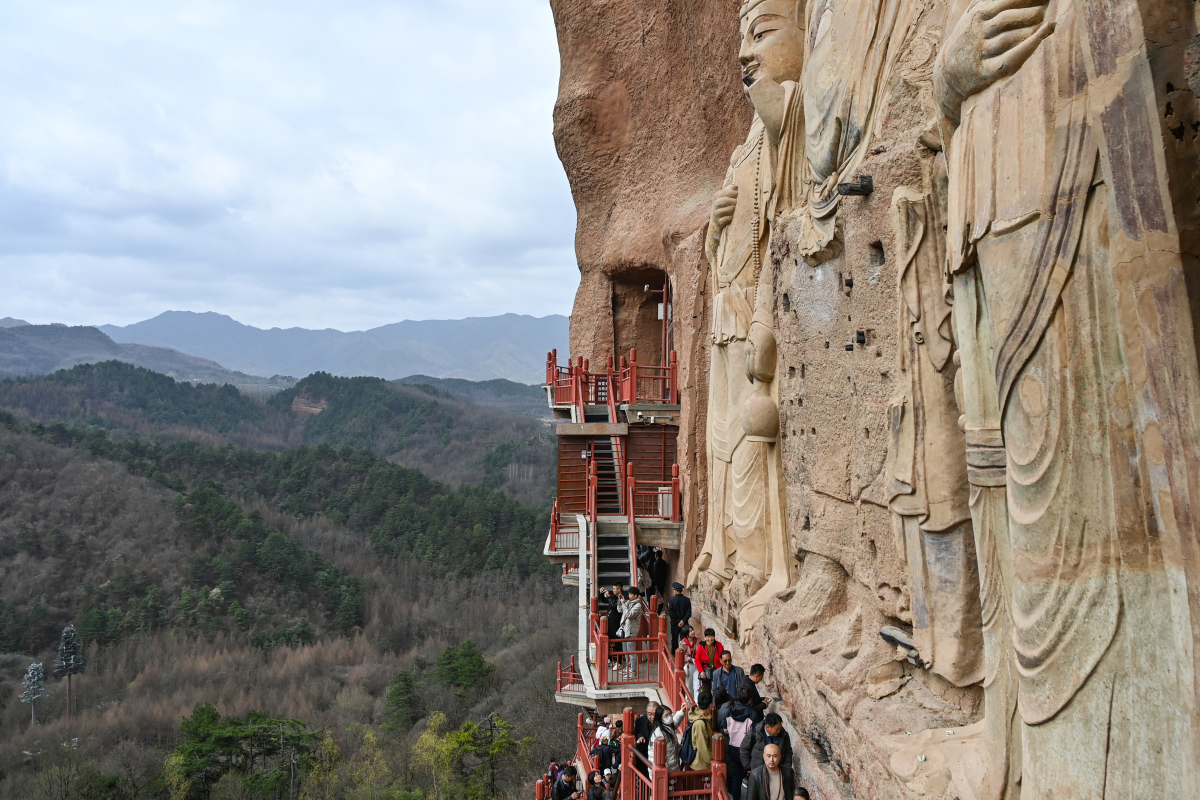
x,y
649,109
949,398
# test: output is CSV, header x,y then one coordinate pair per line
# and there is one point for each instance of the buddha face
x,y
772,42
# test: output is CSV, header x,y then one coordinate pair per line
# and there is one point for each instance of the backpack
x,y
687,748
737,730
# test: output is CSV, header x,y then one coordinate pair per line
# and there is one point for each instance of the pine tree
x,y
70,660
34,681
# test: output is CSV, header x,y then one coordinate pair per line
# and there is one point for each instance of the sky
x,y
301,163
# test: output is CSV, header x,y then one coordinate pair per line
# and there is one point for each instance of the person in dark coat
x,y
660,571
757,702
736,722
679,609
771,781
641,734
564,788
769,731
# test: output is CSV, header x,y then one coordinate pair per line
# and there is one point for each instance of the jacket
x,y
730,681
702,731
562,790
631,617
614,616
680,610
735,711
660,570
753,744
672,722
702,660
757,785
756,701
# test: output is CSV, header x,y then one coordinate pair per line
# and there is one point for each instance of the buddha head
x,y
772,41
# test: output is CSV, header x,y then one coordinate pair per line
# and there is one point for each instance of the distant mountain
x,y
41,349
509,346
498,393
12,322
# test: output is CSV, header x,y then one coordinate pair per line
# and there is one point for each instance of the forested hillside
x,y
368,611
440,432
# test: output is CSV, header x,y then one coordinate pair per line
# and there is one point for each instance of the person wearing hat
x,y
603,729
679,608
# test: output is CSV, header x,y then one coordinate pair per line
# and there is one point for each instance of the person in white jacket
x,y
632,611
666,726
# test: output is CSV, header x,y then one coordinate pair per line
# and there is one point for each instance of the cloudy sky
x,y
307,163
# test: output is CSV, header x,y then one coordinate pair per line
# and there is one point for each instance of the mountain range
x,y
510,346
40,349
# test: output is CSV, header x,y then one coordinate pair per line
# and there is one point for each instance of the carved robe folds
x,y
929,494
1036,309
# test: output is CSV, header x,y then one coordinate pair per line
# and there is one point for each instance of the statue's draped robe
x,y
851,50
746,533
1029,209
928,493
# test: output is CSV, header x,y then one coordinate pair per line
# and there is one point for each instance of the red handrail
x,y
641,383
564,539
585,737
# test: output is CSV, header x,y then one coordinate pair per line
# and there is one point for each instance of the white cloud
x,y
306,163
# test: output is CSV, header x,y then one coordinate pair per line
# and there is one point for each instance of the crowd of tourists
x,y
758,755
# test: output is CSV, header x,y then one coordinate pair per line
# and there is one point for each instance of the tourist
x,y
611,792
679,609
603,729
722,702
688,645
564,788
664,727
632,611
736,724
771,781
708,654
641,733
728,677
606,753
660,570
769,731
757,701
700,720
595,786
553,770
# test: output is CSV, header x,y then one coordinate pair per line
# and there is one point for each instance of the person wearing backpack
x,y
696,751
738,724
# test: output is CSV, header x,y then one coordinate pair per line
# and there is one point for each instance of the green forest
x,y
396,634
439,431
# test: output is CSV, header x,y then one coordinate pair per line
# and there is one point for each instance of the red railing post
x,y
672,381
558,681
627,765
664,634
658,775
718,767
602,653
633,376
680,680
626,396
676,494
539,789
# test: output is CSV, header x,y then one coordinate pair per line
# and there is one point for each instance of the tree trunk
x,y
68,697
